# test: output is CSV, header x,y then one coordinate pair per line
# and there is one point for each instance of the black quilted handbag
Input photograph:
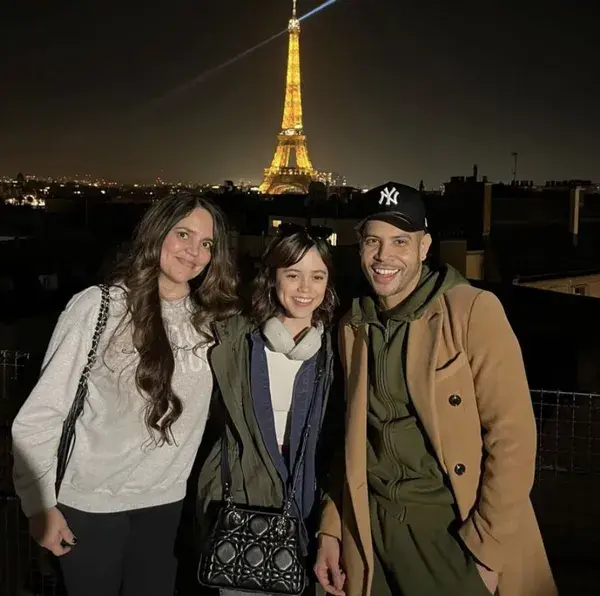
x,y
67,437
253,550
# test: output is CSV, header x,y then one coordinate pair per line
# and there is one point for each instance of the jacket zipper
x,y
385,394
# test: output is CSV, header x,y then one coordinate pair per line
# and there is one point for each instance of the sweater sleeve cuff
x,y
37,499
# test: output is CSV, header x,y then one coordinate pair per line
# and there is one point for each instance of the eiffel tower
x,y
280,177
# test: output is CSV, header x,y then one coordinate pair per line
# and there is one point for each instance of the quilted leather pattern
x,y
253,551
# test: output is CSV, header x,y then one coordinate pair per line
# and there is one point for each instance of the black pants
x,y
129,553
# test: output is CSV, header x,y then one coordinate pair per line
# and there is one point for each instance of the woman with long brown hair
x,y
114,520
274,370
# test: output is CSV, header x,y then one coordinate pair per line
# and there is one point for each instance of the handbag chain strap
x,y
225,469
67,438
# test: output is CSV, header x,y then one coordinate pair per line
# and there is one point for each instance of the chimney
x,y
574,203
487,209
475,172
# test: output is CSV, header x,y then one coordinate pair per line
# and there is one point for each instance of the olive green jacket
x,y
254,477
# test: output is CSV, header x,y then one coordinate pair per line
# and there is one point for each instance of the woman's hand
x,y
328,566
50,530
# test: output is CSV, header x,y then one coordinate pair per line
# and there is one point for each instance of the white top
x,y
282,374
115,466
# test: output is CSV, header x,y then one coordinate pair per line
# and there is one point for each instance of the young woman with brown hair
x,y
274,370
114,520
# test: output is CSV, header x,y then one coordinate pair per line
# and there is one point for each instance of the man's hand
x,y
327,568
50,530
489,578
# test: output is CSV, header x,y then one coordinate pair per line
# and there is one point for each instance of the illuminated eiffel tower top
x,y
280,177
292,107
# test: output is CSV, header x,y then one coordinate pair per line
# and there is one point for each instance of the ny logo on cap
x,y
389,196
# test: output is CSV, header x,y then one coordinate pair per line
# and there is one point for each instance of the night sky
x,y
392,89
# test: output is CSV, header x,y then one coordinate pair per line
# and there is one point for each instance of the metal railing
x,y
568,432
568,482
564,495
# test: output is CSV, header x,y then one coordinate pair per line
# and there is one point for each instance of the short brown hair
x,y
282,252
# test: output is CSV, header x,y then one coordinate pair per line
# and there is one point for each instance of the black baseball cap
x,y
396,204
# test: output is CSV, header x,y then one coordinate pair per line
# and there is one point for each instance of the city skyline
x,y
391,90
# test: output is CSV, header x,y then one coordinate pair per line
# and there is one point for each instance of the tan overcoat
x,y
466,378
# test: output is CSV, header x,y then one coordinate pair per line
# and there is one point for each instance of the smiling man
x,y
438,502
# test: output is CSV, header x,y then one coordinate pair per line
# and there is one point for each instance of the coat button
x,y
460,469
455,400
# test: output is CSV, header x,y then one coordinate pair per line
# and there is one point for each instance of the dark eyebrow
x,y
402,236
292,270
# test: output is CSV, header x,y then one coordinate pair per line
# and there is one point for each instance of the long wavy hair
x,y
213,294
285,251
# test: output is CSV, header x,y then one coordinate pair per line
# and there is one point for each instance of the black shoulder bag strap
x,y
67,437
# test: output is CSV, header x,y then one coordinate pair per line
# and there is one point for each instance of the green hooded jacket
x,y
401,469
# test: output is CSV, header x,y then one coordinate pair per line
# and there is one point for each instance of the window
x,y
580,290
333,239
276,223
